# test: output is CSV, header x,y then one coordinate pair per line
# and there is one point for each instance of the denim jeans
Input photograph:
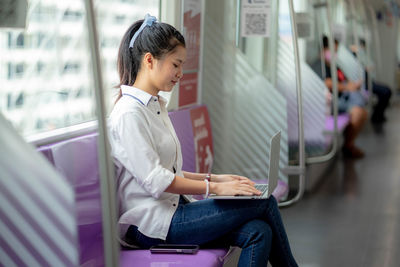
x,y
348,100
253,225
383,93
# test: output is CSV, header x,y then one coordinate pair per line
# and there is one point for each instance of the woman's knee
x,y
272,204
257,231
263,230
358,114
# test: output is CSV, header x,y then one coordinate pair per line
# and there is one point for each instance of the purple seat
x,y
143,258
281,190
183,127
76,160
343,121
193,128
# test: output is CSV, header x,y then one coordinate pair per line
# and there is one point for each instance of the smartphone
x,y
172,248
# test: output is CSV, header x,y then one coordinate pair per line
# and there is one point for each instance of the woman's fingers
x,y
238,187
242,178
247,181
249,189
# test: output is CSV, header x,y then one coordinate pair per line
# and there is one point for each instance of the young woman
x,y
147,154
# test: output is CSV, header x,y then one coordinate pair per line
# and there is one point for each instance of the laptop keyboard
x,y
261,187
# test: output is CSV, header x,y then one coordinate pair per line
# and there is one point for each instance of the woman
x,y
350,101
147,153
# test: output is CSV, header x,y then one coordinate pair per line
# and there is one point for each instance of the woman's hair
x,y
325,41
158,39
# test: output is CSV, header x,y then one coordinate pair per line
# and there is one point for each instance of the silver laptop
x,y
266,189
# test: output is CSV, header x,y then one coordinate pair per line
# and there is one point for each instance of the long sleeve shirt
x,y
147,155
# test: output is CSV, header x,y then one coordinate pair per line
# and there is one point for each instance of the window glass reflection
x,y
45,69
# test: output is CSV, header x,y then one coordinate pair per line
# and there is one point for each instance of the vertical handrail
x,y
333,75
301,166
108,199
368,63
354,24
376,37
368,46
332,152
238,18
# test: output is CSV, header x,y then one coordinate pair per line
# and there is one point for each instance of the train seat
x,y
76,159
343,121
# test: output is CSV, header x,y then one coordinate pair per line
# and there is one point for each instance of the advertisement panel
x,y
203,145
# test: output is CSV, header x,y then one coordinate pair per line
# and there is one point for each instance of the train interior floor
x,y
353,217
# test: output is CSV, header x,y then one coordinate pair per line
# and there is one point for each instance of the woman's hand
x,y
353,86
221,178
237,186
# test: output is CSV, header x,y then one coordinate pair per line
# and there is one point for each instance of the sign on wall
x,y
305,25
188,87
203,145
255,18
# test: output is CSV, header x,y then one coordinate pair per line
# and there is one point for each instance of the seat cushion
x,y
183,127
143,258
343,120
76,159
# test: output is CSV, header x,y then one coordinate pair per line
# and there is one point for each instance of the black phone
x,y
172,248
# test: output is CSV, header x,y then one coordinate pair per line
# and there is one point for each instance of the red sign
x,y
202,139
188,89
192,26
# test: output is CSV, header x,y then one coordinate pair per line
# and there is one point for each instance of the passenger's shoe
x,y
378,119
352,152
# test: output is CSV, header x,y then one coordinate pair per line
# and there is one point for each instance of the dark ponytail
x,y
158,39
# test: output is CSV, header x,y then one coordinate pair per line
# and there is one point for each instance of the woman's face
x,y
327,54
168,70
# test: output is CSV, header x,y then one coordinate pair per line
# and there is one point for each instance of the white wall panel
x,y
245,109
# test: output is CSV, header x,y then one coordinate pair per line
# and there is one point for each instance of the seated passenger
x,y
151,184
350,101
381,90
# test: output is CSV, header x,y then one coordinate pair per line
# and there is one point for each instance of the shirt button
x,y
155,99
158,112
174,205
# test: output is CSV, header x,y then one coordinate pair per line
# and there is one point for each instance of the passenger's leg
x,y
204,221
383,93
358,116
254,237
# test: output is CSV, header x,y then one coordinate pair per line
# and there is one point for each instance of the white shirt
x,y
146,152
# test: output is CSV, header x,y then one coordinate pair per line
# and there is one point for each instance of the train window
x,y
111,27
257,49
45,69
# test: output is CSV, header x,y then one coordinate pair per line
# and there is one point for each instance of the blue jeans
x,y
253,225
348,100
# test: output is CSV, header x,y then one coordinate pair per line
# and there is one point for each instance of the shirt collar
x,y
162,100
140,95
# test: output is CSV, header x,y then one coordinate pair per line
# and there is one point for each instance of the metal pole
x,y
332,152
238,18
334,76
301,166
108,198
354,25
376,38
